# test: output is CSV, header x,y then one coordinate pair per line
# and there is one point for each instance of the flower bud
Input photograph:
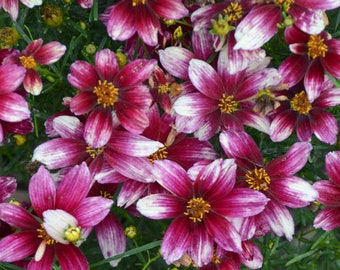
x,y
52,15
130,231
8,37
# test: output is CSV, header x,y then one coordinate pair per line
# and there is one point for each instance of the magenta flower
x,y
305,111
275,179
61,212
329,193
13,106
312,56
12,7
118,91
200,208
34,55
8,186
223,98
127,17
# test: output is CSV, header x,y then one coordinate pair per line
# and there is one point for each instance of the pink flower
x,y
12,7
329,193
63,211
142,16
118,91
305,111
33,56
8,186
222,98
13,106
200,208
275,179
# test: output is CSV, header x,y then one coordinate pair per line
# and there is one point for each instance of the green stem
x,y
150,261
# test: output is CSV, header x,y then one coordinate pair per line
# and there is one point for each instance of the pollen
x,y
258,179
94,152
316,47
105,194
107,93
300,103
72,234
227,104
44,236
163,88
196,208
138,2
28,62
234,12
161,153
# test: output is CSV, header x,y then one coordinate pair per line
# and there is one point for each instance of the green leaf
x,y
300,257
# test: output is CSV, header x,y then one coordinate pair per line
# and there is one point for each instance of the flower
x,y
222,99
201,208
13,106
61,214
275,179
12,7
329,194
8,186
118,91
306,112
32,57
127,17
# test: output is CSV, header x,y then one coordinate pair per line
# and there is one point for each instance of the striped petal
x,y
332,163
329,193
328,219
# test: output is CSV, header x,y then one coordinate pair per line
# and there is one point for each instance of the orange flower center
x,y
234,11
161,153
196,208
28,62
138,2
316,47
106,92
44,236
94,152
300,103
258,179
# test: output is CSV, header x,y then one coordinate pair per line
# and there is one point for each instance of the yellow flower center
x,y
73,234
107,93
234,12
300,103
28,62
138,2
163,88
105,194
196,208
258,179
178,34
94,152
285,4
316,47
130,231
221,27
161,153
44,236
227,104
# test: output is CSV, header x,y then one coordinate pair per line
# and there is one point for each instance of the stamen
x,y
316,47
28,62
196,208
300,103
72,234
163,88
138,2
44,236
227,104
105,194
258,179
234,12
94,152
161,153
107,93
285,4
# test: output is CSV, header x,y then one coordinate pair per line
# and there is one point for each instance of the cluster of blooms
x,y
147,126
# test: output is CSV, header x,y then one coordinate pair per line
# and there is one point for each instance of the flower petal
x,y
332,163
8,186
11,76
106,64
13,108
70,257
50,53
83,76
324,126
329,193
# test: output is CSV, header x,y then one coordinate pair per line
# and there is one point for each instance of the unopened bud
x,y
52,15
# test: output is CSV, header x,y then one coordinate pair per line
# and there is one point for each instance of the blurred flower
x,y
329,194
61,214
8,186
52,15
34,55
12,6
201,208
9,36
127,17
275,179
121,92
